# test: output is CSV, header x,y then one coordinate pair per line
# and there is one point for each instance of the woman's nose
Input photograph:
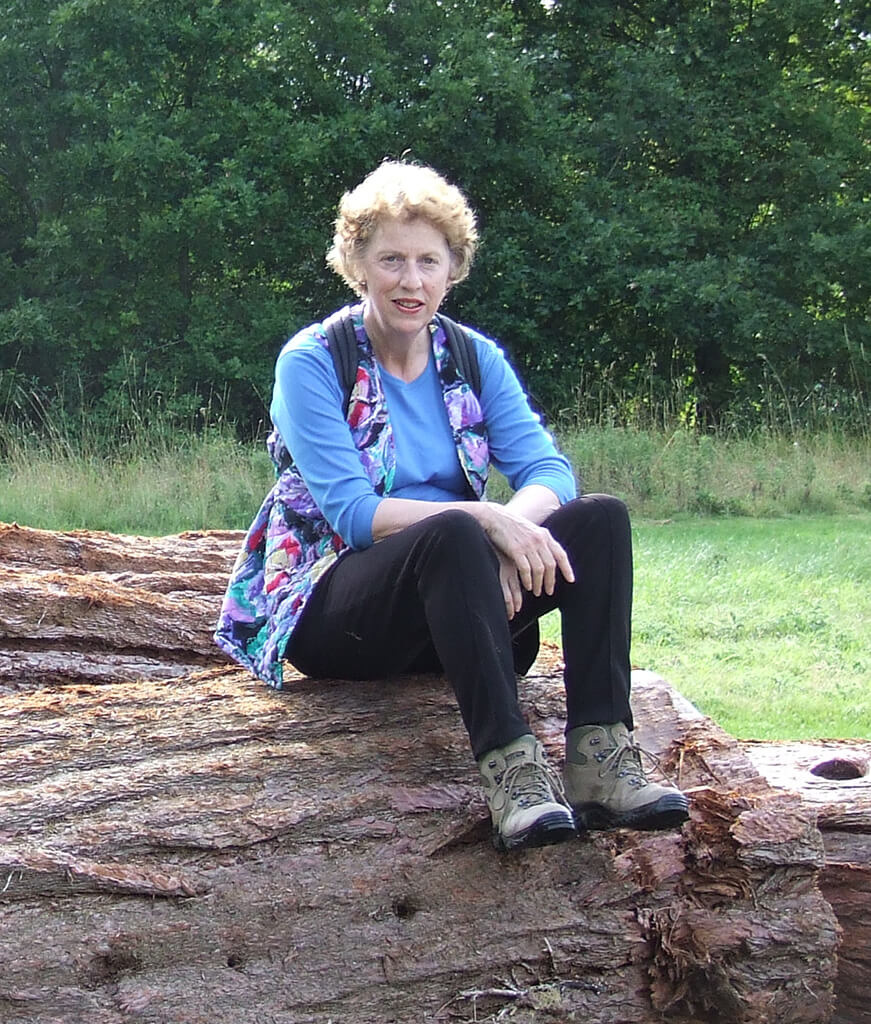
x,y
411,274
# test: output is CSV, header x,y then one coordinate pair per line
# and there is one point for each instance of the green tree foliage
x,y
715,221
674,191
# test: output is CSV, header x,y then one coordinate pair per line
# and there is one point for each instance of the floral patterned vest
x,y
290,544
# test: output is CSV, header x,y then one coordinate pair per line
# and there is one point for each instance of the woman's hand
x,y
512,591
531,551
529,555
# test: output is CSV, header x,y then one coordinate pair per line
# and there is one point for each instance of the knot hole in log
x,y
840,769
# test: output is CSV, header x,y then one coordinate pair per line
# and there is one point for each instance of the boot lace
x,y
531,783
625,762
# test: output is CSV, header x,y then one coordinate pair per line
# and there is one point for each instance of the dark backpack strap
x,y
342,340
464,352
343,348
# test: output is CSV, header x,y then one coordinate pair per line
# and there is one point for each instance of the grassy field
x,y
205,482
753,556
762,623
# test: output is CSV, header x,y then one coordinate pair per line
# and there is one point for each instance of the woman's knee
x,y
456,540
600,518
456,529
612,509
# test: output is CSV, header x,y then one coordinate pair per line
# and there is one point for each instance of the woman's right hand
x,y
535,555
529,555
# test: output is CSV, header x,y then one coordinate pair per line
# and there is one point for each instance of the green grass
x,y
662,473
210,481
762,624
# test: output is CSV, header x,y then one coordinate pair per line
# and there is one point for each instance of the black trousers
x,y
429,599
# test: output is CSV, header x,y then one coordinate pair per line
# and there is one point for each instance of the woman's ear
x,y
354,278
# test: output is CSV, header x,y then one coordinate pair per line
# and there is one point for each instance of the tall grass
x,y
148,466
143,465
663,473
155,483
212,482
781,402
753,552
778,450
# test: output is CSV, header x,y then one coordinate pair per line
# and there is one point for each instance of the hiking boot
x,y
525,796
607,787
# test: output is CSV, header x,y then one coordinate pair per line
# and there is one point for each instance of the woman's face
x,y
406,269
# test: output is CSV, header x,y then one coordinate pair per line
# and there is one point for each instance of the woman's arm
x,y
307,409
514,530
520,447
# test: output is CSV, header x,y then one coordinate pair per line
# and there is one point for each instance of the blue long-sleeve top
x,y
307,410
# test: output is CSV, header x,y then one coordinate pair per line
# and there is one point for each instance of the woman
x,y
375,554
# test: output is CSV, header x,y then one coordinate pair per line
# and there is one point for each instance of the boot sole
x,y
669,811
547,831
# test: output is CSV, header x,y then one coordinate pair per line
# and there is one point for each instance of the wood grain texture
x,y
833,779
198,848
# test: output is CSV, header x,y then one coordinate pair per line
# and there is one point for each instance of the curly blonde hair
x,y
405,191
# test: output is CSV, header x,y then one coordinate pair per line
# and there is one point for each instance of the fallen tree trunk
x,y
199,848
834,780
94,607
196,552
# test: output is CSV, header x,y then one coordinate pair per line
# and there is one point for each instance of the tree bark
x,y
91,606
833,779
200,848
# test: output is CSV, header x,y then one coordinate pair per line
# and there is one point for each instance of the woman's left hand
x,y
512,591
530,557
